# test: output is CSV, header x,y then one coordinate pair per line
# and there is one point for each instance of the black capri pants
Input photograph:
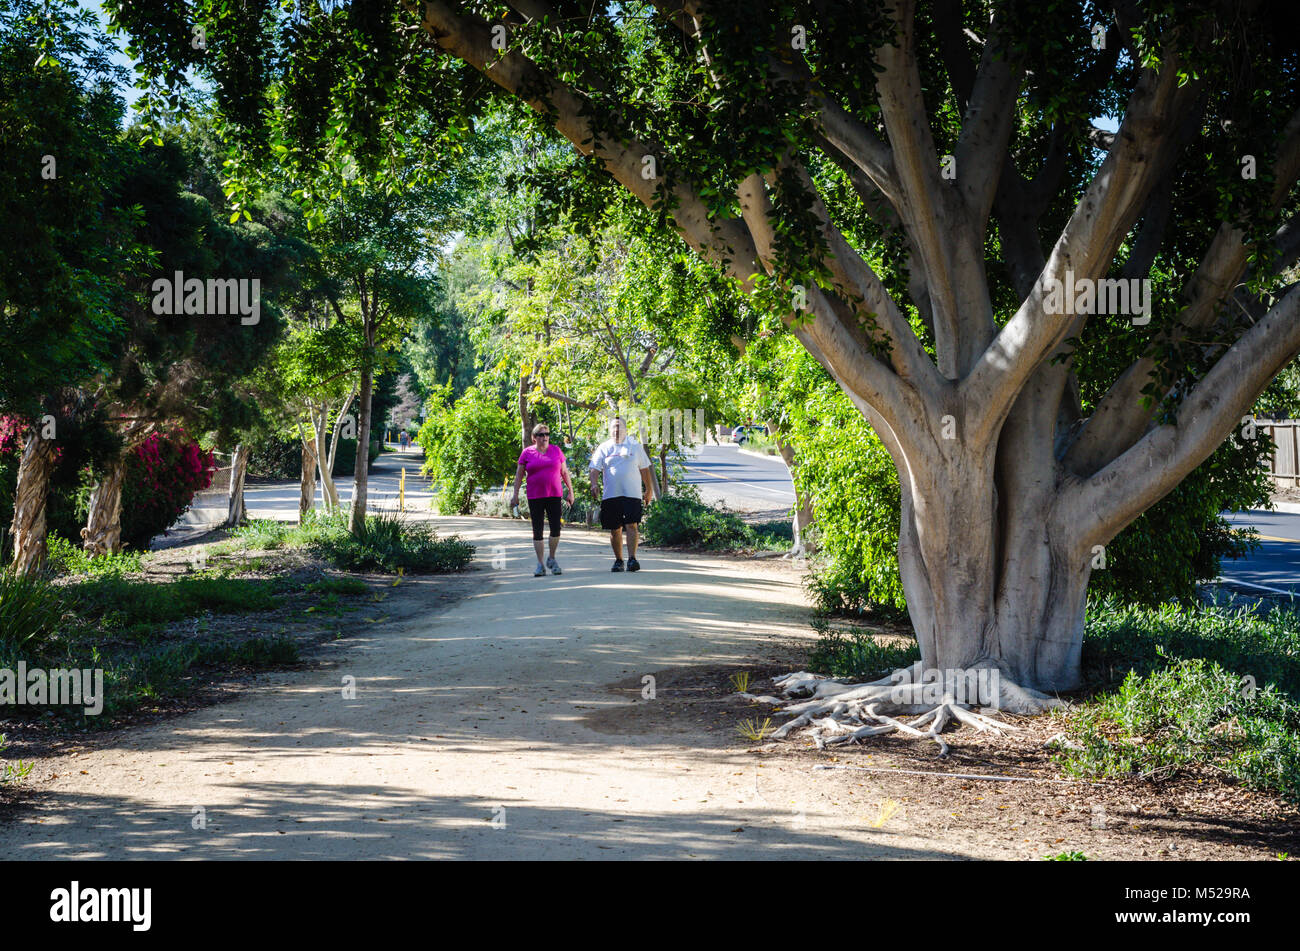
x,y
549,507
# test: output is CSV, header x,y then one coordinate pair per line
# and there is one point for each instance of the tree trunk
x,y
324,461
307,484
235,511
103,532
803,510
30,496
525,421
362,470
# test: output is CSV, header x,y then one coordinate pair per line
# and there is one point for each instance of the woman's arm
x,y
567,480
519,474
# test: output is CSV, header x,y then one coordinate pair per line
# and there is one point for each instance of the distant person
x,y
545,467
624,470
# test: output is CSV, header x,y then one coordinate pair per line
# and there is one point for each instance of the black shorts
x,y
619,511
550,508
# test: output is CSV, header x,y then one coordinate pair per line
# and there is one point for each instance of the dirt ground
x,y
511,719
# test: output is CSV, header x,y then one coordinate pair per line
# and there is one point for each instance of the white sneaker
x,y
540,572
555,568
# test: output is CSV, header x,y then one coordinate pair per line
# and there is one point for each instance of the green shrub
x,y
12,773
1192,713
277,457
1189,687
345,459
468,444
388,543
30,610
1121,637
682,519
857,655
69,559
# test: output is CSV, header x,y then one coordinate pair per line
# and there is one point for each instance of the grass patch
x,y
135,679
30,610
386,542
140,607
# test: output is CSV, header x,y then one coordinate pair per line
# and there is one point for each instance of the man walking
x,y
624,469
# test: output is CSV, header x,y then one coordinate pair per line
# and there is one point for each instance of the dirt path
x,y
489,730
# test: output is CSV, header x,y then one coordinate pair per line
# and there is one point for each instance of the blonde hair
x,y
539,427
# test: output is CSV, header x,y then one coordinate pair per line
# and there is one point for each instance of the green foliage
x,y
140,606
278,457
469,444
682,519
1120,637
30,610
11,774
857,654
1191,714
391,544
386,542
1066,857
66,239
345,460
1200,687
67,558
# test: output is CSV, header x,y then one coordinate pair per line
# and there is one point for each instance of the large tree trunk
x,y
988,588
362,469
30,496
235,511
103,532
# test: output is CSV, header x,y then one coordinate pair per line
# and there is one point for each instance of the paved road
x,y
744,482
280,500
1276,565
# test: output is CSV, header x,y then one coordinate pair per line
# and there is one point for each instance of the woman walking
x,y
544,464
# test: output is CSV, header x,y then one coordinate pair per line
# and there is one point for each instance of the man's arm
x,y
647,486
595,489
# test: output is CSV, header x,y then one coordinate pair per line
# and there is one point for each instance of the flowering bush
x,y
162,476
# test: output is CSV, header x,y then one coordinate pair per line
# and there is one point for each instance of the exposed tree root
x,y
838,713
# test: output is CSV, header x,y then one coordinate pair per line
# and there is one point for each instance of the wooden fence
x,y
1284,466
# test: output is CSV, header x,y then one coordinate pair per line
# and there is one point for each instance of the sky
x,y
129,92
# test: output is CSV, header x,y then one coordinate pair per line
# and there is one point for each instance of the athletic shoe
x,y
633,565
551,563
540,572
618,565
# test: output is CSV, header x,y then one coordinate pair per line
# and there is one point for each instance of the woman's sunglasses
x,y
541,435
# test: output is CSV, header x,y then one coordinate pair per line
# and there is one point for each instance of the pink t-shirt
x,y
543,469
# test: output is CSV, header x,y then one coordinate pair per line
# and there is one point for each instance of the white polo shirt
x,y
620,465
